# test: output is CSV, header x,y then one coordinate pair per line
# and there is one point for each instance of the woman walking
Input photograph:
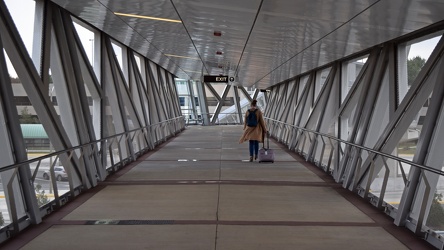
x,y
254,129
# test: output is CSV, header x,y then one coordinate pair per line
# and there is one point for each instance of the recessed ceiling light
x,y
199,72
194,58
148,17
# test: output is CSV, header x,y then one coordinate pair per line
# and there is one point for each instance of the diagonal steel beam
x,y
220,104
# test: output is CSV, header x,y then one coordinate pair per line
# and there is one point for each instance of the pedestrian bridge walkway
x,y
199,191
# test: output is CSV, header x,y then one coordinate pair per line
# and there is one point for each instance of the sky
x,y
22,12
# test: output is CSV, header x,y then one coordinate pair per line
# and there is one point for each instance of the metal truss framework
x,y
352,132
212,118
107,115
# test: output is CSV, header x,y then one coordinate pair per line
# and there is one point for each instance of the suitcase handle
x,y
268,141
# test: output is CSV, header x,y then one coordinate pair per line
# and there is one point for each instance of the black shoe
x,y
251,158
255,157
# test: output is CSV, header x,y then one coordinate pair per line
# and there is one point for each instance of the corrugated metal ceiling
x,y
262,42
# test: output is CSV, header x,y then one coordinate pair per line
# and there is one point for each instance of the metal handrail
x,y
200,120
430,169
15,165
173,125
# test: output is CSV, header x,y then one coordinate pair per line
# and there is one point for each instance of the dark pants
x,y
254,147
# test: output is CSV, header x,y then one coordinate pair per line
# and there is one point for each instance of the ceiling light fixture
x,y
194,58
199,72
148,17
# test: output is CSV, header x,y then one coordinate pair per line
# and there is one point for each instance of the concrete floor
x,y
198,192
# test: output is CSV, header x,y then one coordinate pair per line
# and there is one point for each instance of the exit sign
x,y
209,78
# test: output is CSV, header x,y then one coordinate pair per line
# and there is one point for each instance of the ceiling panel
x,y
232,18
262,42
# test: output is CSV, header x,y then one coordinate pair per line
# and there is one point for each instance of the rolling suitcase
x,y
266,154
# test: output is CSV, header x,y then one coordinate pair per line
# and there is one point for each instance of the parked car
x,y
59,172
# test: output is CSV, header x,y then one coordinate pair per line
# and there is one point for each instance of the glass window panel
x,y
23,19
411,58
350,72
435,219
87,40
